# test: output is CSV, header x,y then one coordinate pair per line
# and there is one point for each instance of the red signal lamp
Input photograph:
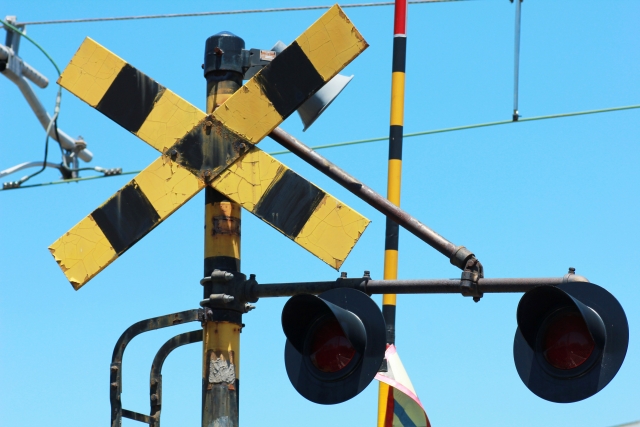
x,y
567,342
570,342
335,344
331,350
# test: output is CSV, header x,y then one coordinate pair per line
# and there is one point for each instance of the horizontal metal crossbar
x,y
427,286
136,416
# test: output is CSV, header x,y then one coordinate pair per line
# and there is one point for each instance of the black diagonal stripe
x,y
130,98
289,80
288,203
126,217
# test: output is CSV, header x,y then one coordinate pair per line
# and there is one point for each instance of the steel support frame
x,y
115,378
155,377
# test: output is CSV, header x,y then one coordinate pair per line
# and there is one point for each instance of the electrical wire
x,y
365,141
17,30
67,181
480,125
228,12
53,122
56,111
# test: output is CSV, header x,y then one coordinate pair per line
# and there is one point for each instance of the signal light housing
x,y
570,342
335,344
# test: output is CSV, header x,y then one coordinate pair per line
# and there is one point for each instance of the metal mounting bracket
x,y
115,378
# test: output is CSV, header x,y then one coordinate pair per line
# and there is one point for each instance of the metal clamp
x,y
218,276
473,271
217,300
571,276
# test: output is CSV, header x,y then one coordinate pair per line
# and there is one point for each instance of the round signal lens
x,y
567,342
330,349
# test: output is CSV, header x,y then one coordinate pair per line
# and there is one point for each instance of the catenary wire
x,y
457,128
365,141
227,12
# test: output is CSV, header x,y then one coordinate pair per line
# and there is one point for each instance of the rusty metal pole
x,y
458,255
223,322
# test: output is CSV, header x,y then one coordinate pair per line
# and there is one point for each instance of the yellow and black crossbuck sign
x,y
216,150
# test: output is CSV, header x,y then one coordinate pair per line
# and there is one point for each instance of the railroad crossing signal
x,y
335,344
217,150
572,336
570,342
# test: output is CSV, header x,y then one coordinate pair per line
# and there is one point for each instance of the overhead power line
x,y
365,141
226,12
479,125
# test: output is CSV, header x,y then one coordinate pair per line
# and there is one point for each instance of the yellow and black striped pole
x,y
221,337
385,394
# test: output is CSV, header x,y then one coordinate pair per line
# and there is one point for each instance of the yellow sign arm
x,y
306,214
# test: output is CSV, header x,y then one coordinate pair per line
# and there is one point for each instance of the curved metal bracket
x,y
115,380
155,378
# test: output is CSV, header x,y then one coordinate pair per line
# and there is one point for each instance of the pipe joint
x,y
460,257
473,271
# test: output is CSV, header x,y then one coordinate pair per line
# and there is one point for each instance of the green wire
x,y
480,125
66,181
58,97
365,141
17,30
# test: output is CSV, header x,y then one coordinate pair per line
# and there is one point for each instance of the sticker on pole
x,y
404,409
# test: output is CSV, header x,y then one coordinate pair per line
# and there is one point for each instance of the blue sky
x,y
530,199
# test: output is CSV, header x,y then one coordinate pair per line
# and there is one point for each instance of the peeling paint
x,y
221,370
82,252
222,226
